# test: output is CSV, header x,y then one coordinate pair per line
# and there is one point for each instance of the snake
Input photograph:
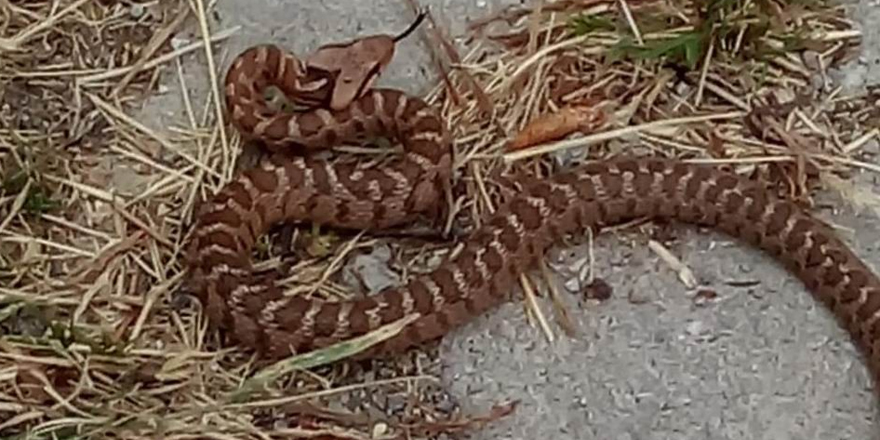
x,y
289,184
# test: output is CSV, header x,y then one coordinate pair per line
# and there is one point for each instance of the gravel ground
x,y
762,361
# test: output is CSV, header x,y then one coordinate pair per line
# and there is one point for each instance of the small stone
x,y
660,336
565,157
682,88
572,285
372,269
379,430
445,404
137,10
811,60
395,404
177,43
695,328
644,290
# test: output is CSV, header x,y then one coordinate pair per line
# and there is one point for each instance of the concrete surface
x,y
759,362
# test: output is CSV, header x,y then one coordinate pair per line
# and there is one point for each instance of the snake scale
x,y
285,187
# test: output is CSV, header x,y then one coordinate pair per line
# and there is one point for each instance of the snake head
x,y
355,65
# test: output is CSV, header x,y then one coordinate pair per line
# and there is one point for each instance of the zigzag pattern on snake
x,y
286,188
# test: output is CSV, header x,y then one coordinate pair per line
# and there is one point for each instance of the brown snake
x,y
288,188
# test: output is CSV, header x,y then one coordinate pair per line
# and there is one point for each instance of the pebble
x,y
373,270
177,42
695,327
137,10
379,430
395,403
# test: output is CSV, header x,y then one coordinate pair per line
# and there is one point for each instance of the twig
x,y
109,74
14,44
613,134
215,90
152,46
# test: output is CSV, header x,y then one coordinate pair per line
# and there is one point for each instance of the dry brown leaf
x,y
553,126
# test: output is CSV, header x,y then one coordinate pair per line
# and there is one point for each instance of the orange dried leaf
x,y
554,126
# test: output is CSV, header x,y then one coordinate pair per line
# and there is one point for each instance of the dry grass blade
x,y
685,274
617,134
155,43
18,42
324,356
215,83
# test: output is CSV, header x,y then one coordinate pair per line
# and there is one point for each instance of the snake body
x,y
293,188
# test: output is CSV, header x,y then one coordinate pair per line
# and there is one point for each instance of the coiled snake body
x,y
302,188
